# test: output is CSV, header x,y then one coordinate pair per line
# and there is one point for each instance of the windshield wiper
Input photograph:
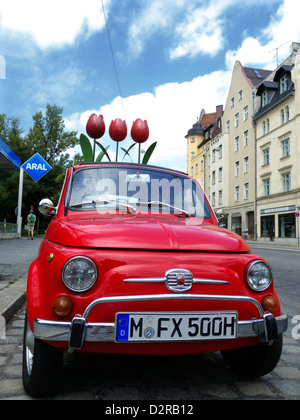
x,y
107,201
160,203
132,209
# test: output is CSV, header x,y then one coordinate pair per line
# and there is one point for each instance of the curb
x,y
10,312
14,299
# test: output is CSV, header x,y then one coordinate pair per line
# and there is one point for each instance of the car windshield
x,y
136,190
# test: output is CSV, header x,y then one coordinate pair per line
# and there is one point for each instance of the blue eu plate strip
x,y
122,327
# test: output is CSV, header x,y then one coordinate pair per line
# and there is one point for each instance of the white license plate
x,y
175,326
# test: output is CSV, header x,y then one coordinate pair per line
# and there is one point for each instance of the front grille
x,y
179,280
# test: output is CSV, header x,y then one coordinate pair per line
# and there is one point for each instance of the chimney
x,y
295,46
219,110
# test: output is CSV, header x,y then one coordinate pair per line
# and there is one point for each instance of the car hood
x,y
146,232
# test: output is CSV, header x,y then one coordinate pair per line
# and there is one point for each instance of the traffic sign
x,y
36,167
297,214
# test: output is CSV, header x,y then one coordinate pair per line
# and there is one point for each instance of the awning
x,y
8,159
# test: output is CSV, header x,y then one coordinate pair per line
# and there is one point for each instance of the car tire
x,y
255,361
42,365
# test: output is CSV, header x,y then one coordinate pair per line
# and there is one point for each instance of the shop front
x,y
287,225
279,222
236,224
267,226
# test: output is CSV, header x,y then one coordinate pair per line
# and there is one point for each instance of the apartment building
x,y
198,139
277,126
240,106
246,156
217,176
194,138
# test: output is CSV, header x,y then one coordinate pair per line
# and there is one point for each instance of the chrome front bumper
x,y
79,331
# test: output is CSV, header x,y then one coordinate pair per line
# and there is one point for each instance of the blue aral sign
x,y
36,167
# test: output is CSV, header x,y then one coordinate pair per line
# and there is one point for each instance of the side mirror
x,y
220,215
46,207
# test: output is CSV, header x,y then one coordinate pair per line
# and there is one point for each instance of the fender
x,y
35,298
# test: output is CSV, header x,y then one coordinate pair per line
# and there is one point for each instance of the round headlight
x,y
79,274
258,276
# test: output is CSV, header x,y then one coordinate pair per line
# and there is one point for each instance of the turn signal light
x,y
50,257
269,303
62,306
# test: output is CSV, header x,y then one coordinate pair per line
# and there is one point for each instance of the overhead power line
x,y
113,59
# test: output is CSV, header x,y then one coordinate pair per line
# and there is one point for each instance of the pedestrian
x,y
31,219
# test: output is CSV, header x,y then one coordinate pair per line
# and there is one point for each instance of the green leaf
x,y
86,148
103,150
101,155
148,153
127,151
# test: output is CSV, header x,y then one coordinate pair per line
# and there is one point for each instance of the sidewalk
x,y
274,244
16,255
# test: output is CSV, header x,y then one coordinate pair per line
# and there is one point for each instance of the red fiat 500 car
x,y
134,262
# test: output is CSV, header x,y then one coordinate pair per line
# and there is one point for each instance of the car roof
x,y
127,164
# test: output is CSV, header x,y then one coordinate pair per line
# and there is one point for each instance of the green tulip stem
x,y
117,151
94,150
139,152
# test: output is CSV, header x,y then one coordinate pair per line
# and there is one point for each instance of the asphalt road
x,y
127,379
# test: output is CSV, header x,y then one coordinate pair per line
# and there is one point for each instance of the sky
x,y
173,58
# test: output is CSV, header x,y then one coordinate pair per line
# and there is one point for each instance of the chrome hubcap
x,y
29,348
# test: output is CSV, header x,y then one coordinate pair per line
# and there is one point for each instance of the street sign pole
x,y
297,214
36,167
20,196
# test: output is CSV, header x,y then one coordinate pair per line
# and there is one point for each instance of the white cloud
x,y
171,111
251,52
155,16
285,24
274,41
201,30
195,28
56,88
52,23
198,35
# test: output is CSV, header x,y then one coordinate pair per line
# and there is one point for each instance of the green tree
x,y
11,133
49,138
48,135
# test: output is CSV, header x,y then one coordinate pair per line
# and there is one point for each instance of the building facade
x,y
277,124
198,139
240,107
194,138
245,157
218,174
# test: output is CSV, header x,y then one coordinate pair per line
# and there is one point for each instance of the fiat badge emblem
x,y
179,280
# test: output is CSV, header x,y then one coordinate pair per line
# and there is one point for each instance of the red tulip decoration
x,y
95,128
118,132
140,133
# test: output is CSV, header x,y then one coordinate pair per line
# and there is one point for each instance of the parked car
x,y
134,262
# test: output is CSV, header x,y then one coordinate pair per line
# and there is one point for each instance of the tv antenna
x,y
277,52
